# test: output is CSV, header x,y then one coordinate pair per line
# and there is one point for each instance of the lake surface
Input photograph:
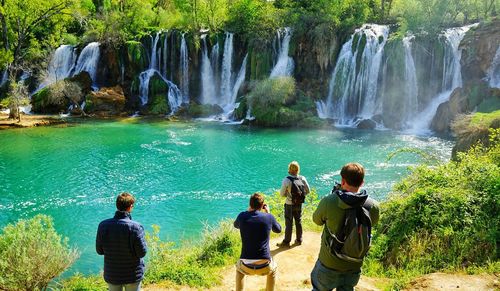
x,y
182,174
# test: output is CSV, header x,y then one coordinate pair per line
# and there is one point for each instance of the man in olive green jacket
x,y
331,272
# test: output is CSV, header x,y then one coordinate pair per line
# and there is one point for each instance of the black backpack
x,y
352,241
298,190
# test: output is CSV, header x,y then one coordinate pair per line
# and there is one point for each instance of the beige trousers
x,y
242,270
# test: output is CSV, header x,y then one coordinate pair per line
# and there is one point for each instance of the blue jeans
x,y
323,278
127,287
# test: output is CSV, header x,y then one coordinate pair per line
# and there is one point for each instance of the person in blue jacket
x,y
121,241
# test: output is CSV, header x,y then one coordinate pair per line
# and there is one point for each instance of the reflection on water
x,y
183,174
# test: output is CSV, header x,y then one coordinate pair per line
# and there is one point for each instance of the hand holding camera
x,y
266,208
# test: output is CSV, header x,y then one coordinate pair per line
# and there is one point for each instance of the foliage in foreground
x,y
442,218
32,254
194,264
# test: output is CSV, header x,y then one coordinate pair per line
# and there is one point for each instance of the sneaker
x,y
297,242
283,245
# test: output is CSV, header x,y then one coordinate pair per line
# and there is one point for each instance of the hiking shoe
x,y
283,245
297,242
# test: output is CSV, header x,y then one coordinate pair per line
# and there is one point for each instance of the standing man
x,y
121,241
255,225
346,211
294,187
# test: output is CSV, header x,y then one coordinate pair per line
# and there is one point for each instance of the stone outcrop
x,y
56,98
478,51
366,124
106,102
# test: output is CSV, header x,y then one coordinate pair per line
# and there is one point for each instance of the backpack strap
x,y
292,178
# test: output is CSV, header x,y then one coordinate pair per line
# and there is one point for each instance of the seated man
x,y
255,225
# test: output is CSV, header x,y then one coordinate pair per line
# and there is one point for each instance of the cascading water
x,y
353,86
411,87
88,61
452,77
208,95
284,65
184,63
494,71
215,62
224,93
227,63
165,55
61,65
5,77
174,95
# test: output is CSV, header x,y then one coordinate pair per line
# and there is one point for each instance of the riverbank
x,y
30,121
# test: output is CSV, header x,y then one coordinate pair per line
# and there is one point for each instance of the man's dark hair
x,y
256,201
124,201
353,174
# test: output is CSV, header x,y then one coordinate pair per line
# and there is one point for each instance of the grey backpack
x,y
352,241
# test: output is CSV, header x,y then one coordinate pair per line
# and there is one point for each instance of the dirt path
x,y
295,265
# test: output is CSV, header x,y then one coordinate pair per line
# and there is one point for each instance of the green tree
x,y
29,26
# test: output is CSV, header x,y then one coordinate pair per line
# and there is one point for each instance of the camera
x,y
337,186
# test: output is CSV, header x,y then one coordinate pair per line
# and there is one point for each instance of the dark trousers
x,y
293,212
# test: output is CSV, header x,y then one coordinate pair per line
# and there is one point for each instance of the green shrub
x,y
443,217
32,254
79,282
192,264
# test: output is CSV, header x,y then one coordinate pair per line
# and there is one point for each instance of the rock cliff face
x,y
170,71
479,47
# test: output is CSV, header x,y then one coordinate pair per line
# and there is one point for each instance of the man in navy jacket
x,y
121,241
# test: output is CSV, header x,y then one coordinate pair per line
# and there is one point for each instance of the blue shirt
x,y
255,227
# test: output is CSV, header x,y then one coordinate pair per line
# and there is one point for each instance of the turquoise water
x,y
183,174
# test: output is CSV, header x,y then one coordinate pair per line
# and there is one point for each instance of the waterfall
x,y
184,70
215,62
165,56
5,77
452,77
284,65
60,66
227,63
353,85
411,87
494,71
222,93
174,95
207,77
88,61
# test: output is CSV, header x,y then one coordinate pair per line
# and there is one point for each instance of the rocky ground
x,y
296,263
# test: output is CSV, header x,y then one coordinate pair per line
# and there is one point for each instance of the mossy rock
x,y
203,110
84,80
158,105
136,57
313,122
241,111
44,102
489,104
157,86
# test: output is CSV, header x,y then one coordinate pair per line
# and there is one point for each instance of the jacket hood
x,y
350,200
